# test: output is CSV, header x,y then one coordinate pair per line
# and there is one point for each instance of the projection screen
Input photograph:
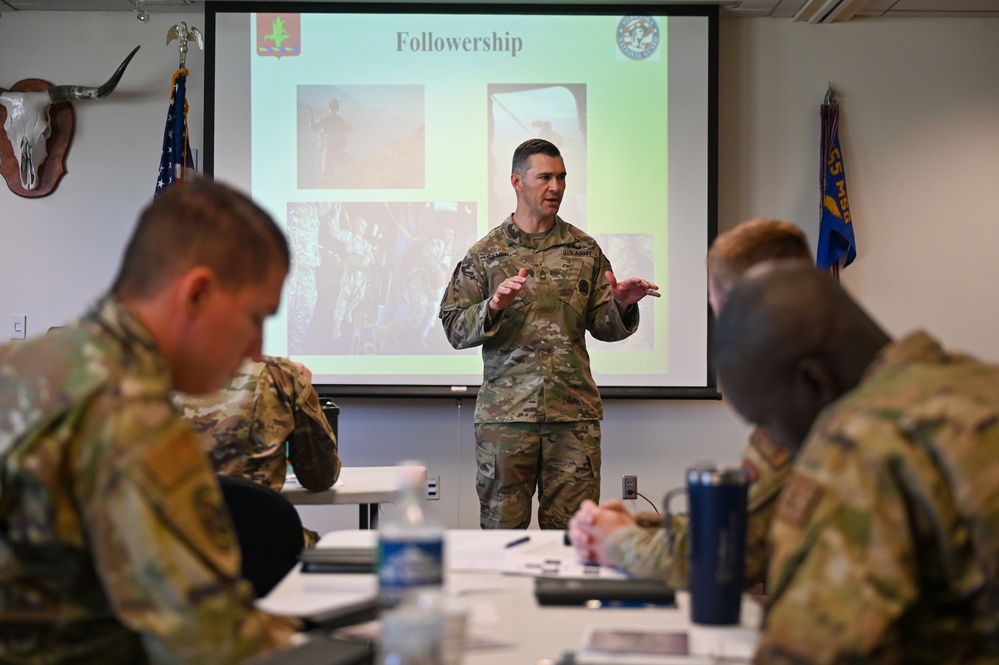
x,y
380,137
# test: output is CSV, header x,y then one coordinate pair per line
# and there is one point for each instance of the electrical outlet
x,y
433,488
629,487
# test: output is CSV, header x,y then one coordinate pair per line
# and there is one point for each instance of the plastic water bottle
x,y
410,544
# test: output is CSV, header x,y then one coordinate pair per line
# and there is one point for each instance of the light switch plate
x,y
18,326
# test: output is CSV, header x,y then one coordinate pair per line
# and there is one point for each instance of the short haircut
x,y
532,147
752,242
200,223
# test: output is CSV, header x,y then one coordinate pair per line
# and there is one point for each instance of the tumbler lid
x,y
709,474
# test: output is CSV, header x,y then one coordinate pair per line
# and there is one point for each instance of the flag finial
x,y
183,34
830,95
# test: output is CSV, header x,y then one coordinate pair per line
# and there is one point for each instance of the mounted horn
x,y
29,124
67,93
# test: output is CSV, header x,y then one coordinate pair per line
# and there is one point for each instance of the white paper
x,y
616,652
540,565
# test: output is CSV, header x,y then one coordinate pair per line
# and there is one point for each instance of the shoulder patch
x,y
168,464
798,500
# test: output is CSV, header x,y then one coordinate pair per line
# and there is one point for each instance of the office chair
x,y
269,531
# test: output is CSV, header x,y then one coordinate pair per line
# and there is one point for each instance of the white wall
x,y
59,251
919,125
920,134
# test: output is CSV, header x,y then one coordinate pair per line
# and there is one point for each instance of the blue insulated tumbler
x,y
716,502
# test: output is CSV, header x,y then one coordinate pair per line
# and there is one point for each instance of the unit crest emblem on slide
x,y
279,35
638,36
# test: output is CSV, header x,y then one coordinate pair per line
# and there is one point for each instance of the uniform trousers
x,y
560,459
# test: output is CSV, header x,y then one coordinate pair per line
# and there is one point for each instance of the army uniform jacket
x,y
642,550
536,368
115,546
885,539
246,424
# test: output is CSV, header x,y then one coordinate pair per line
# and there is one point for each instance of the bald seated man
x,y
885,538
611,535
115,545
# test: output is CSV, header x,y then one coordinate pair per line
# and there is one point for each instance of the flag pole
x,y
176,157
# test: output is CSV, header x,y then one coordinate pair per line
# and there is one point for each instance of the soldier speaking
x,y
527,292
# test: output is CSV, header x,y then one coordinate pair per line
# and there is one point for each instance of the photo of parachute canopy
x,y
367,277
361,137
555,112
632,255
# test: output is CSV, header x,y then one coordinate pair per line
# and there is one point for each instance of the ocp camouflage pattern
x,y
642,550
115,545
536,368
510,466
246,424
885,540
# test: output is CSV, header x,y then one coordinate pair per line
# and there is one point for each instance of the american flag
x,y
176,158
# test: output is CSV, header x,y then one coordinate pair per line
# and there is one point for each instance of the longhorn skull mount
x,y
39,122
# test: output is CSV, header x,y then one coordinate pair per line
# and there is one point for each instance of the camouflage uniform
x,y
115,546
246,425
885,539
536,369
642,550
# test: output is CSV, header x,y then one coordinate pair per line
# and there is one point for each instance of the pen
x,y
518,541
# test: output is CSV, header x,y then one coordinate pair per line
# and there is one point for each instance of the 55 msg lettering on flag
x,y
837,247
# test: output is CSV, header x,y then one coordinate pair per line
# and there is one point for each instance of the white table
x,y
366,486
502,606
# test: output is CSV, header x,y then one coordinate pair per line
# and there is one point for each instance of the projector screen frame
x,y
710,12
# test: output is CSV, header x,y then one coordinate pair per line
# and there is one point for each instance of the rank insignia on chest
x,y
542,275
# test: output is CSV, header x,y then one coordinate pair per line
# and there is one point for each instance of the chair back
x,y
268,528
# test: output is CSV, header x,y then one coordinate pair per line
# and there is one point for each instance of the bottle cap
x,y
412,473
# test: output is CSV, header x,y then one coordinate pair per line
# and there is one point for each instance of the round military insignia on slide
x,y
638,36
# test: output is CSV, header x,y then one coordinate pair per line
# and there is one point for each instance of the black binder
x,y
319,650
602,592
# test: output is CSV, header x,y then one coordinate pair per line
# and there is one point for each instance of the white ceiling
x,y
814,11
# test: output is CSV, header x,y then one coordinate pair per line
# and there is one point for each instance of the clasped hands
x,y
625,293
592,525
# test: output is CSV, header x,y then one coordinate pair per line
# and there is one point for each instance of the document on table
x,y
323,597
523,556
476,554
546,565
696,645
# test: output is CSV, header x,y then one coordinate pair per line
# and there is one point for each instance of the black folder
x,y
319,650
602,592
